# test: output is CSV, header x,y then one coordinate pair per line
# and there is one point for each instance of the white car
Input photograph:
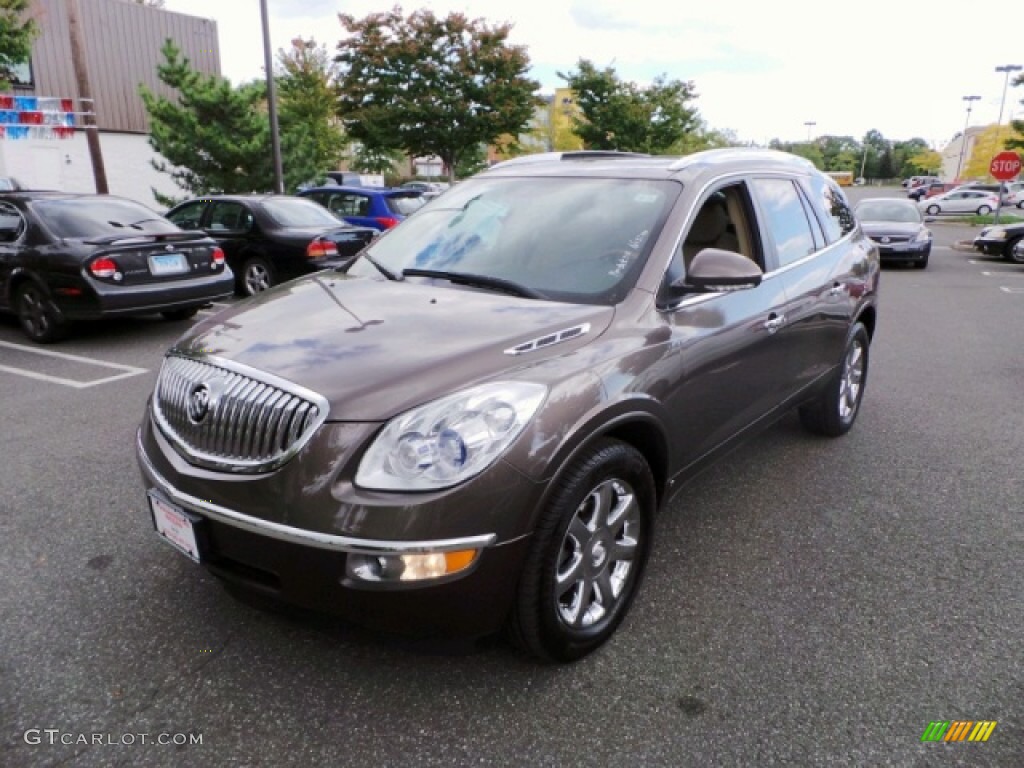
x,y
960,201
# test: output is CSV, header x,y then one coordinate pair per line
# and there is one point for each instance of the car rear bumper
x,y
113,300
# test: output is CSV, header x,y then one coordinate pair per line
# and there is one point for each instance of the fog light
x,y
411,567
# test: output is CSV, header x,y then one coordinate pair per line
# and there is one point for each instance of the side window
x,y
347,204
831,207
189,215
12,223
785,217
228,216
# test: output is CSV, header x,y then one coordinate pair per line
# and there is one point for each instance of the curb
x,y
963,245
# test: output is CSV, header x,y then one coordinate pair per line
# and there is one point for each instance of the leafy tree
x,y
702,137
926,161
430,85
17,31
987,144
311,136
215,137
1016,139
472,161
625,116
373,160
886,167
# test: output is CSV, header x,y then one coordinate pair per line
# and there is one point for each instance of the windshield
x,y
888,210
99,217
570,239
405,204
299,212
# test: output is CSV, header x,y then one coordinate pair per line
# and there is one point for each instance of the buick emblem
x,y
168,247
199,403
885,239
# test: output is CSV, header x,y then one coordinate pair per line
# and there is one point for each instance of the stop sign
x,y
1005,166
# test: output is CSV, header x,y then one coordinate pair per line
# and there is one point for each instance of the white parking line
x,y
1011,272
127,371
1008,289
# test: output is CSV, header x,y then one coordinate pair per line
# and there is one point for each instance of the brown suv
x,y
473,428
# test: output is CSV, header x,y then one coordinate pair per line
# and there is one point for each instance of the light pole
x,y
810,124
963,138
1007,68
275,137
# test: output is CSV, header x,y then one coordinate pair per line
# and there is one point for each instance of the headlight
x,y
922,235
449,440
996,233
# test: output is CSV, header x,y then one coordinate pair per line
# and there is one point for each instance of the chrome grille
x,y
222,415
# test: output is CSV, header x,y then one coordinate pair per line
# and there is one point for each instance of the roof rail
x,y
583,154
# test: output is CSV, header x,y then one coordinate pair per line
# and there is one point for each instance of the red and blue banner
x,y
37,117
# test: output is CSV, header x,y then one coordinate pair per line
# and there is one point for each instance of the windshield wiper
x,y
477,281
382,269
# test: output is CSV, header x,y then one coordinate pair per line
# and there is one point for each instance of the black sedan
x,y
68,257
897,228
1002,240
271,238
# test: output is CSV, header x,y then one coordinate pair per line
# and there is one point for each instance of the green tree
x,y
430,85
926,161
472,161
702,137
17,30
1015,140
312,139
215,137
373,160
624,116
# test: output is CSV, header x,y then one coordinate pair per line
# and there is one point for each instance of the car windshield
x,y
405,204
299,212
888,210
100,217
583,240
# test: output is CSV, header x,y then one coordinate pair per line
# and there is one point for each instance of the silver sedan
x,y
960,201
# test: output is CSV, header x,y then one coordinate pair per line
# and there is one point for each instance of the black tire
x,y
984,210
921,263
39,321
933,210
1008,251
255,276
572,538
177,315
833,413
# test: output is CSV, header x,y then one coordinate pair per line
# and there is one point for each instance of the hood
x,y
878,228
376,348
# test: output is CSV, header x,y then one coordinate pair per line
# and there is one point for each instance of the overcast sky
x,y
762,69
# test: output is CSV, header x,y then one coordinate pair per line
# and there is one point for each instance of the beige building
x,y
951,153
122,49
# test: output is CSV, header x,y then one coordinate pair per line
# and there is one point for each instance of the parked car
x,y
430,189
960,201
897,228
65,258
933,189
271,238
381,209
1002,240
474,427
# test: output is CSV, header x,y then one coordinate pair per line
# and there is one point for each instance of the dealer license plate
x,y
175,526
168,264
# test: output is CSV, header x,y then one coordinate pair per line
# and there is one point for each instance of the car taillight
x,y
217,257
387,221
320,249
103,267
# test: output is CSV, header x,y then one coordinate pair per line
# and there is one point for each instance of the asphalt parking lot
x,y
808,602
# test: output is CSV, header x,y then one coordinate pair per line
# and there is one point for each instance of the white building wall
x,y
64,164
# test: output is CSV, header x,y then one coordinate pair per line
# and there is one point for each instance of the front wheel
x,y
834,411
587,556
1009,248
933,210
1017,252
255,276
984,210
39,320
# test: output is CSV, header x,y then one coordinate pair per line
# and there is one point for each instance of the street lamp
x,y
275,137
963,138
810,124
1007,68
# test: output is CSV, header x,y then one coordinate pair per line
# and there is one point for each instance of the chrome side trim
x,y
549,340
294,535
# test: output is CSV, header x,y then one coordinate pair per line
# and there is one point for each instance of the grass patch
x,y
979,221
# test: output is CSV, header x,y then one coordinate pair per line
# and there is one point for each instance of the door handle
x,y
774,322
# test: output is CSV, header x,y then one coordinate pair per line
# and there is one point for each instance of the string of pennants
x,y
39,117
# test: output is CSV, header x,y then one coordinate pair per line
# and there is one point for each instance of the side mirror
x,y
714,269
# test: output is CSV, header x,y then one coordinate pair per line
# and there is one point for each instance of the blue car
x,y
378,207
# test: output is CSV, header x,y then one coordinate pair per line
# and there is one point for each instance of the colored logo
x,y
958,730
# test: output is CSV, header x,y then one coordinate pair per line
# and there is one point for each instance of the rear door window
x,y
785,218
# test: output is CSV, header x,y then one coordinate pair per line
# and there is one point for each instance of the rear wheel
x,y
255,276
984,210
177,315
835,410
932,210
587,556
39,320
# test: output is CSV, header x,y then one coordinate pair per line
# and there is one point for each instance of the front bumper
x,y
903,251
990,247
299,527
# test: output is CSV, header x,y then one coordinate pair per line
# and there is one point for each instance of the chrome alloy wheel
x,y
257,278
597,554
852,381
